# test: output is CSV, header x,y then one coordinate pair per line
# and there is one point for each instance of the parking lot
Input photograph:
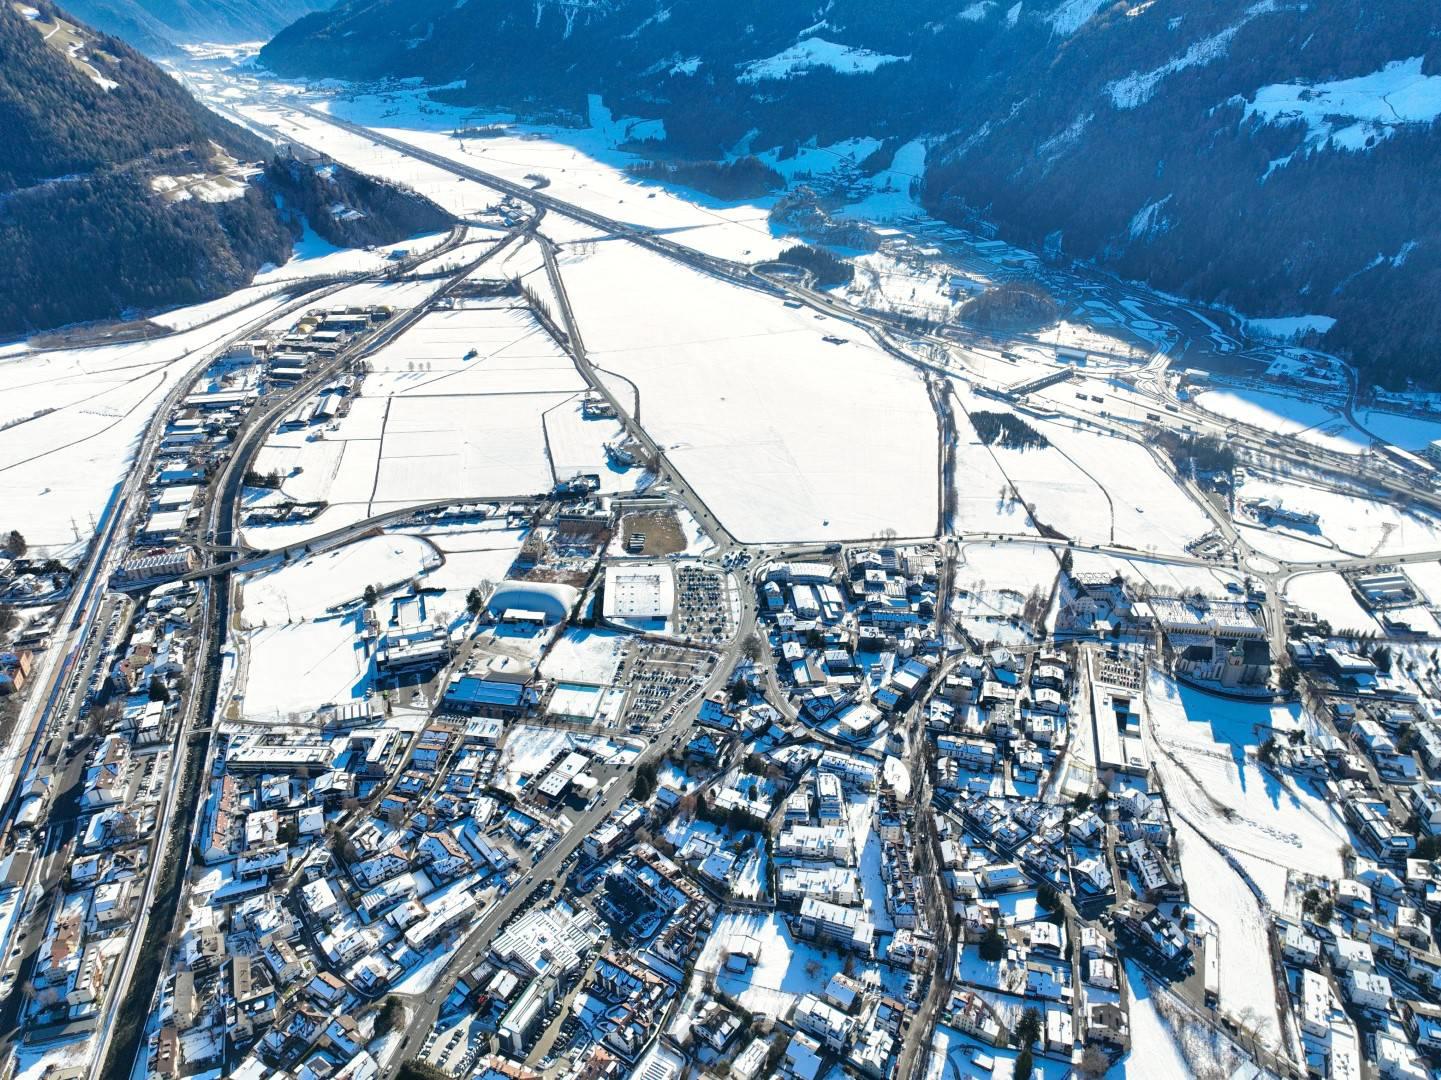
x,y
705,604
661,679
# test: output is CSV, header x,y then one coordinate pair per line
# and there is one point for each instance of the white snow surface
x,y
1349,113
891,191
1309,418
1204,751
582,165
1139,87
1349,524
1099,488
1289,327
1330,597
296,668
589,657
1153,1052
785,436
1247,982
306,588
813,53
786,969
1074,14
1412,433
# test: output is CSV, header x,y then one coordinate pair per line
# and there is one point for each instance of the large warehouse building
x,y
639,594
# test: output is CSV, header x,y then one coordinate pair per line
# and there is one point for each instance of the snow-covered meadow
x,y
785,435
473,403
1099,489
307,588
1307,418
1346,524
58,470
292,669
1206,755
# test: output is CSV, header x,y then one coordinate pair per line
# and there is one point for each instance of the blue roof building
x,y
475,696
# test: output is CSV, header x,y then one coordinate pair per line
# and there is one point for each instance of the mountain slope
x,y
90,127
157,26
1269,154
119,191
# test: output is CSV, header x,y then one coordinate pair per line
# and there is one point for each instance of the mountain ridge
x,y
120,192
159,27
1183,143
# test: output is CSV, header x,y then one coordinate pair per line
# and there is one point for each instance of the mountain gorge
x,y
1270,155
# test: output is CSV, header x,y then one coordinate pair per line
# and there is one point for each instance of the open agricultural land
x,y
575,644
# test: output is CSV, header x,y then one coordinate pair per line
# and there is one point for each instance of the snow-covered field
x,y
1347,524
784,435
1427,577
295,668
473,403
1247,982
581,165
585,656
1096,488
1153,1052
513,355
1205,755
1328,595
306,588
298,657
58,471
1350,113
813,53
527,750
314,256
983,500
1308,419
470,560
187,318
997,579
786,970
1413,433
886,282
393,294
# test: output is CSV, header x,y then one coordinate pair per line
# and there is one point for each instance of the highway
x,y
55,703
222,518
58,694
118,988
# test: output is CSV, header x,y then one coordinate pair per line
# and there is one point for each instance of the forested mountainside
x,y
119,191
1273,155
348,209
157,27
